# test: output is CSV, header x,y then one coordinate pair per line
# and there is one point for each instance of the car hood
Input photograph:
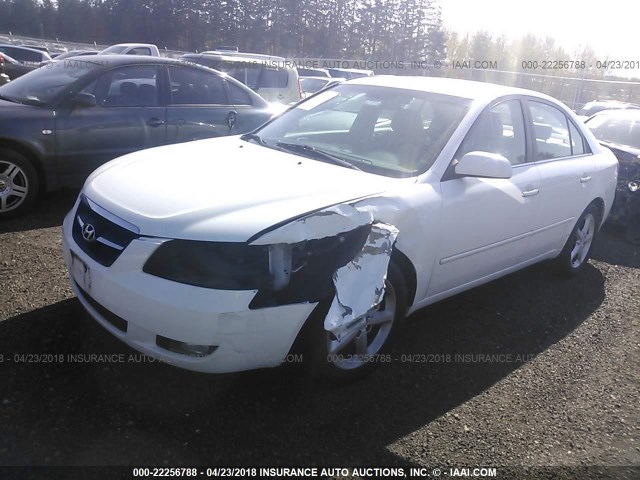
x,y
223,189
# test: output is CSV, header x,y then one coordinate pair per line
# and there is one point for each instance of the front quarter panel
x,y
30,129
415,210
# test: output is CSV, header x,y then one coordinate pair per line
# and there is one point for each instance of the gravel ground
x,y
562,387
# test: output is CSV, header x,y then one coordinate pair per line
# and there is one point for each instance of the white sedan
x,y
322,230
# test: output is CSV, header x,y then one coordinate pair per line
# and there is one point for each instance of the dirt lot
x,y
565,390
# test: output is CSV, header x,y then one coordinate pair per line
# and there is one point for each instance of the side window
x,y
238,95
577,141
498,130
134,86
91,88
191,86
551,131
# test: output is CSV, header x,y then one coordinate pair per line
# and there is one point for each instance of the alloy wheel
x,y
582,241
14,186
369,340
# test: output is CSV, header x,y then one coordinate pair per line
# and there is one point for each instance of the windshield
x,y
382,130
41,86
622,129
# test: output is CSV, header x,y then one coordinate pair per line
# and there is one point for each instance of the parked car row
x,y
268,76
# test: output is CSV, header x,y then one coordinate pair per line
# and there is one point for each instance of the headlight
x,y
219,265
282,273
634,185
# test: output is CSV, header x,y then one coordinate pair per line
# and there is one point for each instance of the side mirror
x,y
484,165
85,100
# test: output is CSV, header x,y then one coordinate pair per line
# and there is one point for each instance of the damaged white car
x,y
322,230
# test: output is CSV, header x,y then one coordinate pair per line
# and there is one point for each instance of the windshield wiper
x,y
314,152
255,137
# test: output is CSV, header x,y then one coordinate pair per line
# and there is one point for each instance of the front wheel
x,y
18,184
576,251
355,358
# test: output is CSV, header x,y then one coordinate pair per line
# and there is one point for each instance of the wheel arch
x,y
599,203
408,272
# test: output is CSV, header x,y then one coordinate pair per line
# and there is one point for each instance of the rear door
x,y
566,167
198,105
128,116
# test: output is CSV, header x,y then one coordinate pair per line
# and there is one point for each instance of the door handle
x,y
530,193
155,122
231,119
585,179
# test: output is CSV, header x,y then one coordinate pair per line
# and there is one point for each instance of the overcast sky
x,y
610,27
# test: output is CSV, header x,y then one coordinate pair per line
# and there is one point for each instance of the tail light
x,y
1,59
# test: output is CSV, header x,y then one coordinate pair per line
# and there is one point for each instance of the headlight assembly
x,y
282,273
218,265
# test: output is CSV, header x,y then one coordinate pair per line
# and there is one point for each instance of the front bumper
x,y
144,311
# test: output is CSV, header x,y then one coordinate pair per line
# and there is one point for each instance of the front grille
x,y
98,236
120,323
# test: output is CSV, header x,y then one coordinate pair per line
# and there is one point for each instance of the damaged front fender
x,y
360,283
339,252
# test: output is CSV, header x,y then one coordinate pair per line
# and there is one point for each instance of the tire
x,y
353,361
575,254
19,184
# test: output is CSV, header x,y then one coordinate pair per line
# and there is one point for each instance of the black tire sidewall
x,y
32,177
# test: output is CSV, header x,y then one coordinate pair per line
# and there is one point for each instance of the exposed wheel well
x,y
408,272
599,203
29,155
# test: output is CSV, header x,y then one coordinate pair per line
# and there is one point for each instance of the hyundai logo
x,y
89,232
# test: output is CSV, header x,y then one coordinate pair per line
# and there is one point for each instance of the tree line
x,y
390,29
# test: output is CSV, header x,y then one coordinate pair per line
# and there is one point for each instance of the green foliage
x,y
357,29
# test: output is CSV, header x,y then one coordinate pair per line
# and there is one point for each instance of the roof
x,y
111,60
22,47
448,86
132,45
631,113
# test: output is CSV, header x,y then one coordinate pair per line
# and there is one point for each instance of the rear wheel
x,y
353,358
18,184
576,252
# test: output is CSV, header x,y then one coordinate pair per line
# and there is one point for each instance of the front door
x,y
486,222
128,116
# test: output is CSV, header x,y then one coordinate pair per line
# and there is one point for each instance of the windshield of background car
x,y
622,128
382,130
41,86
312,84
